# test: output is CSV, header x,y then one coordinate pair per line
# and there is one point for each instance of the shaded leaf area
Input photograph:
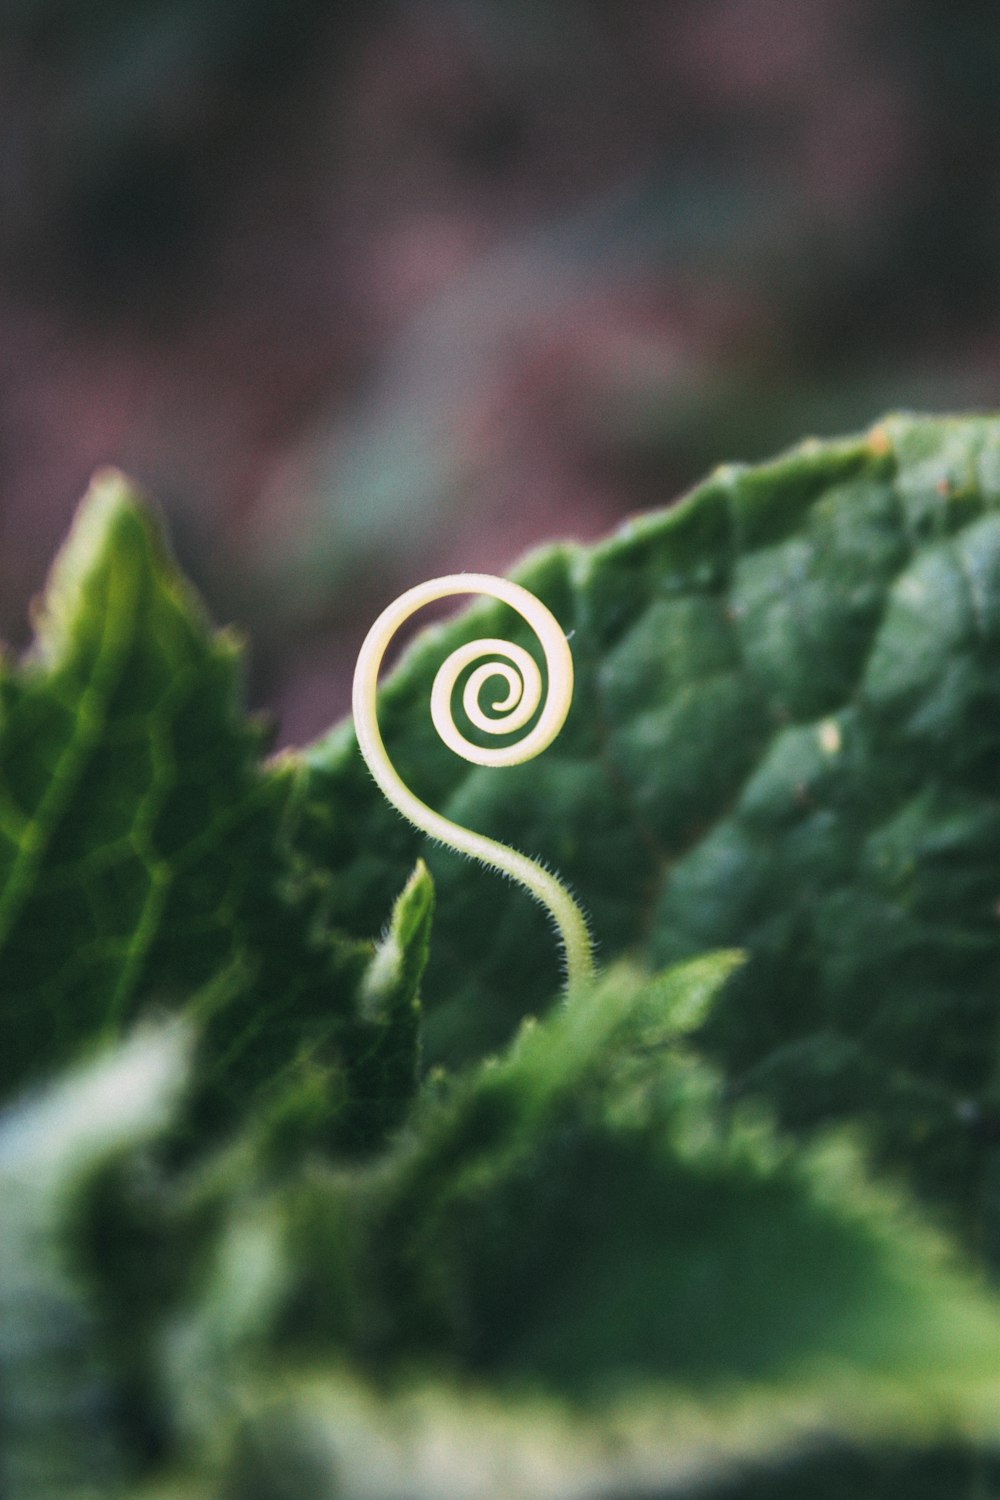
x,y
146,854
830,1475
577,1274
785,737
580,1212
60,1433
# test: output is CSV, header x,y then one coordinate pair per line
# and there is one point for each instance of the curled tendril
x,y
510,712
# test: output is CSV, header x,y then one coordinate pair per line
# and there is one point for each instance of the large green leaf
x,y
785,737
584,1212
578,1274
145,853
580,1271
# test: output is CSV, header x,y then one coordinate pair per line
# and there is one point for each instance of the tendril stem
x,y
522,678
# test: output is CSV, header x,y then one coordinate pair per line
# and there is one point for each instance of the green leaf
x,y
579,1269
580,1210
785,738
59,1433
147,854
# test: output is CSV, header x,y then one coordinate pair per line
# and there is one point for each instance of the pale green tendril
x,y
511,712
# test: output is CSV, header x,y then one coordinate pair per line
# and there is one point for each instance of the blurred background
x,y
370,290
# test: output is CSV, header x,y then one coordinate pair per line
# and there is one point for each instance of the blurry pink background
x,y
369,291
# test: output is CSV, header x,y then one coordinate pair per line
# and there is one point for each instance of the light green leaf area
x,y
339,1438
580,1274
147,856
785,738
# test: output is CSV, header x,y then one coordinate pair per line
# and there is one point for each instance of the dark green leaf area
x,y
866,1475
147,856
602,1262
581,1214
785,738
